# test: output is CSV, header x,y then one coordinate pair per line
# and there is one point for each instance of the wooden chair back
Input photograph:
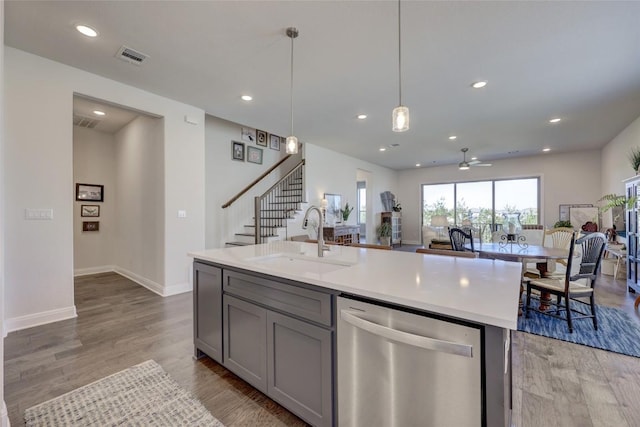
x,y
446,252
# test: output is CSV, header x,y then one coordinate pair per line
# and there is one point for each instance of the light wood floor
x,y
120,324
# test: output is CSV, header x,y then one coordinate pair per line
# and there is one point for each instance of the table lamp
x,y
439,221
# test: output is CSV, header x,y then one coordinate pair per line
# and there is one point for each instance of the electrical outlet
x,y
182,213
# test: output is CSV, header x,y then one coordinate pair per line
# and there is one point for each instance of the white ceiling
x,y
115,117
575,60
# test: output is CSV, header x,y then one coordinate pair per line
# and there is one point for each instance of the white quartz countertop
x,y
479,290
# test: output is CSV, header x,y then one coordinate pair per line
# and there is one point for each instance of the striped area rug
x,y
616,332
142,395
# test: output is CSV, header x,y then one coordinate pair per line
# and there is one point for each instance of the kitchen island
x,y
269,313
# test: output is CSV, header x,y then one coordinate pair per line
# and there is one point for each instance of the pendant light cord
x,y
291,91
399,57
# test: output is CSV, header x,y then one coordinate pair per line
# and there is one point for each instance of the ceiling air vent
x,y
132,56
84,122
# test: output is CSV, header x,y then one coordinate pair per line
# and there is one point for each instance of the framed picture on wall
x,y
274,142
248,134
90,192
90,210
91,226
254,155
237,150
261,138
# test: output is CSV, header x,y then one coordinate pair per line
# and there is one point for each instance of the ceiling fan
x,y
464,165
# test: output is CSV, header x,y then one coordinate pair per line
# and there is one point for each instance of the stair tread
x,y
238,243
254,235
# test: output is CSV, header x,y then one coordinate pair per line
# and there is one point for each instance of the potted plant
x,y
634,158
384,233
563,224
346,211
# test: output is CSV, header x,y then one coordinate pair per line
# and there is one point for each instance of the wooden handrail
x,y
255,181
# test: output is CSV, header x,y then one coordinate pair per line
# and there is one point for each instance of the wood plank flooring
x,y
120,324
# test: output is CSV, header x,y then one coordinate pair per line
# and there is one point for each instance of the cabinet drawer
x,y
305,303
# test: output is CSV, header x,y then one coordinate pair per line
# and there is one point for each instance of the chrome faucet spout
x,y
321,245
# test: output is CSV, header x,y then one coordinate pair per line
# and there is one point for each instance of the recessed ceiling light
x,y
417,165
87,31
546,149
99,113
246,97
362,116
383,149
555,120
453,137
479,85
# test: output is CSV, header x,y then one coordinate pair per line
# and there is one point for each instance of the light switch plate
x,y
38,214
182,213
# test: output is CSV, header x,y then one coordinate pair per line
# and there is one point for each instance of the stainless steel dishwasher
x,y
398,368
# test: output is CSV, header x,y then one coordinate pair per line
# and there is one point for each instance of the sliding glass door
x,y
481,205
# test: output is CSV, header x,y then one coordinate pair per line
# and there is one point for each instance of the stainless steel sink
x,y
301,263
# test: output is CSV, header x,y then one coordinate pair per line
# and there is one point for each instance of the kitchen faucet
x,y
321,245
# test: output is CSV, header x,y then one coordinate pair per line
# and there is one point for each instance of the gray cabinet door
x,y
300,367
245,341
207,310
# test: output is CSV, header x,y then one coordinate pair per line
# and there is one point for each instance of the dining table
x,y
515,252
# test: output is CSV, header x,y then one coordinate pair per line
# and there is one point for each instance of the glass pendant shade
x,y
400,118
291,145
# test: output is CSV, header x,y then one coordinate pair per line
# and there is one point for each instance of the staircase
x,y
273,209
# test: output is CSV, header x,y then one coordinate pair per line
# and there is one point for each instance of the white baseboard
x,y
142,281
157,288
4,416
37,319
93,270
178,288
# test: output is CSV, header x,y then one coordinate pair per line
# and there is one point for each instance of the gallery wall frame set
x,y
89,192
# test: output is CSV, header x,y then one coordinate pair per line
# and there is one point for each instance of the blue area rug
x,y
616,332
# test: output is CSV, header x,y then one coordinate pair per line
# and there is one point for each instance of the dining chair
x,y
559,238
447,252
459,239
573,287
369,246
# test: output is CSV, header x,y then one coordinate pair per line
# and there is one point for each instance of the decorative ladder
x,y
273,208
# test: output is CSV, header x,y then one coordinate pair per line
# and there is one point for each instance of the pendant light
x,y
291,145
400,113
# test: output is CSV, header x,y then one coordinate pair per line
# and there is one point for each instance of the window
x,y
482,205
362,202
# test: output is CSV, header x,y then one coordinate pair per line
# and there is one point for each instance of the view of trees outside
x,y
362,205
474,203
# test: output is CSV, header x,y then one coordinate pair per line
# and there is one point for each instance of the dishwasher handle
x,y
407,338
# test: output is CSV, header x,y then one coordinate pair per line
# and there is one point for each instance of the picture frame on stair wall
x,y
237,151
254,155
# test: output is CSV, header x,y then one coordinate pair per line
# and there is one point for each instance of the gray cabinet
x,y
277,335
245,342
207,311
299,367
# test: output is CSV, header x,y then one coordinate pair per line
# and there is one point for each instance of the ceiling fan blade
x,y
474,162
481,164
